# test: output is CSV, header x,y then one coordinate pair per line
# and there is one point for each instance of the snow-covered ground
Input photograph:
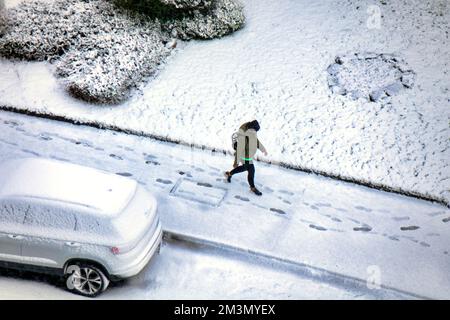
x,y
186,271
333,231
274,70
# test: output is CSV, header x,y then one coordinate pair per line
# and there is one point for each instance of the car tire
x,y
86,279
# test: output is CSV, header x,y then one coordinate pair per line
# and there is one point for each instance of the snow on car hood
x,y
54,180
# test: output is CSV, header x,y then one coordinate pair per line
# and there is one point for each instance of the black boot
x,y
228,176
256,191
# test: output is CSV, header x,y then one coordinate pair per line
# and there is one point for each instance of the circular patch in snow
x,y
369,76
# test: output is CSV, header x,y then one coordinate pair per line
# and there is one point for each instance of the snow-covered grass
x,y
275,70
104,50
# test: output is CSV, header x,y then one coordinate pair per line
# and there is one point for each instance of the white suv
x,y
87,225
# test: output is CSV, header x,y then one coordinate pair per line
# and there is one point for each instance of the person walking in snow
x,y
247,145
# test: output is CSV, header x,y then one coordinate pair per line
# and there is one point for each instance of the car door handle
x,y
15,237
73,244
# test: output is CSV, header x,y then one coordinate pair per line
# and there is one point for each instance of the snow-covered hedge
x,y
102,49
181,4
221,18
104,71
192,19
37,32
3,23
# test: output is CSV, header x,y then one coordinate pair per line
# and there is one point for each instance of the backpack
x,y
234,138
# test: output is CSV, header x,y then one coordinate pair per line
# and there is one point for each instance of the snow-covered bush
x,y
119,52
37,32
3,23
192,19
103,48
181,4
221,18
104,71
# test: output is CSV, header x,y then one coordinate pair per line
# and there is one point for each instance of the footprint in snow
x,y
363,229
204,184
409,228
445,220
12,123
83,143
289,193
363,208
438,213
424,244
323,204
9,143
336,219
124,174
149,156
59,159
45,137
242,198
312,226
314,207
277,210
155,163
31,152
285,201
432,234
400,218
114,156
163,181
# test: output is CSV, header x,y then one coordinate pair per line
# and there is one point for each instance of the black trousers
x,y
251,172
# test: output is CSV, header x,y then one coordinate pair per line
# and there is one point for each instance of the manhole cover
x,y
369,76
199,191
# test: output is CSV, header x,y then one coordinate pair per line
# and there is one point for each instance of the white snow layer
x,y
274,70
321,223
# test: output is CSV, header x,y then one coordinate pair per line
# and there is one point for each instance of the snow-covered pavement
x,y
187,271
333,230
275,70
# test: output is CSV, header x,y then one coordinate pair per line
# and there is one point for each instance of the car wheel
x,y
86,280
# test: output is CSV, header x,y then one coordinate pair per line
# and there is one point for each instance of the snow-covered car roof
x,y
65,183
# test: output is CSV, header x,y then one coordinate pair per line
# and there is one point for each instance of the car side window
x,y
42,215
12,211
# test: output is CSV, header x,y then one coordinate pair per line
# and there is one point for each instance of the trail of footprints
x,y
284,194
